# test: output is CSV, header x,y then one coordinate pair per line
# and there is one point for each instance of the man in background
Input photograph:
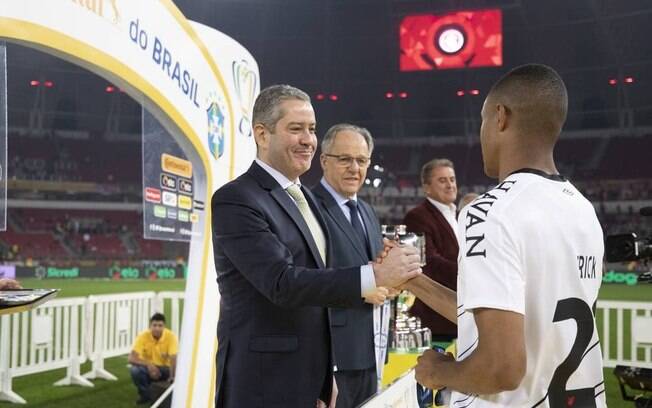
x,y
436,218
356,239
530,265
153,357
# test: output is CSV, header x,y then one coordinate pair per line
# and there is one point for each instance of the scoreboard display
x,y
462,39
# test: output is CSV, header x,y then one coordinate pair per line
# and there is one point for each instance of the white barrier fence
x,y
626,336
65,333
114,321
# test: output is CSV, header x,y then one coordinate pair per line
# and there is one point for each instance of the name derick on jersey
x,y
477,214
586,266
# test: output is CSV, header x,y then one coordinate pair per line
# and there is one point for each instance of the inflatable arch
x,y
177,70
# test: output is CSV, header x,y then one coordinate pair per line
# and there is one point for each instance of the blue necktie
x,y
357,225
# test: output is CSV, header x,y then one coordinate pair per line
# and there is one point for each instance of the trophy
x,y
399,234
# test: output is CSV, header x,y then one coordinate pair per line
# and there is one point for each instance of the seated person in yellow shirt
x,y
153,356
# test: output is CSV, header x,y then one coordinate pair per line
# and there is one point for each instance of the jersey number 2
x,y
558,395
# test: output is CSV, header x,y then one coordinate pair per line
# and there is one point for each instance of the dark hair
x,y
539,92
157,317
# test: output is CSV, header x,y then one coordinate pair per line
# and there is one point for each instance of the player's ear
x,y
502,117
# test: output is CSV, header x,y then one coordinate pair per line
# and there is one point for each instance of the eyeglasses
x,y
346,161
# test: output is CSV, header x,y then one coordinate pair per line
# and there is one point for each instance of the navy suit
x,y
273,331
351,328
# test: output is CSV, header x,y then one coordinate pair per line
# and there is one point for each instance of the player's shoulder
x,y
497,201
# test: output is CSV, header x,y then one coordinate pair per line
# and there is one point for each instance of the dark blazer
x,y
441,261
352,328
273,329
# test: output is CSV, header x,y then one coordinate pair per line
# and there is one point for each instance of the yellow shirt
x,y
157,352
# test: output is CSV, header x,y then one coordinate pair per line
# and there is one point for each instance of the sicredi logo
x,y
169,199
183,216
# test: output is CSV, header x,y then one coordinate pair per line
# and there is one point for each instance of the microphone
x,y
646,211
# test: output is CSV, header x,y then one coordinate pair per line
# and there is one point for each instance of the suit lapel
x,y
289,206
439,217
333,209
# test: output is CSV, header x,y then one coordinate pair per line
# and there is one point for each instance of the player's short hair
x,y
267,108
537,96
426,170
157,317
329,137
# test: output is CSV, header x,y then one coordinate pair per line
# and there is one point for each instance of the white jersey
x,y
533,245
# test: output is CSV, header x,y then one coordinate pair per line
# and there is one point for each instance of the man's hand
x,y
377,297
392,293
6,283
387,245
400,264
429,367
153,371
334,391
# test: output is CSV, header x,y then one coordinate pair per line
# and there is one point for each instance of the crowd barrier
x,y
631,322
65,333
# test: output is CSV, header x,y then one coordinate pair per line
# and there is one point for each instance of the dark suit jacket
x,y
441,261
273,329
352,328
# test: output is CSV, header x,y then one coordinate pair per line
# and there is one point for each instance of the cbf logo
x,y
215,129
246,83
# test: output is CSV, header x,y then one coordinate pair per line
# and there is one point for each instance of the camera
x,y
629,247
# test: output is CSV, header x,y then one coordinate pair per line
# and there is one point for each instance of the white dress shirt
x,y
367,278
448,211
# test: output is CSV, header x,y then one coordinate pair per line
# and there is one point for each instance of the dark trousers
x,y
141,379
355,386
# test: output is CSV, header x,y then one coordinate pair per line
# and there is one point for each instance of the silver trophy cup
x,y
399,233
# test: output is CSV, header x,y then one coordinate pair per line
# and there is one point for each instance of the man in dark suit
x,y
355,238
436,217
270,244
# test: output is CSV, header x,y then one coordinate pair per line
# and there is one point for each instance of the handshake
x,y
394,266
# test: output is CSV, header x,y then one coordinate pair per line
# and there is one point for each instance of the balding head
x,y
535,98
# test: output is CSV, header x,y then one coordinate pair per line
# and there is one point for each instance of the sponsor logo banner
x,y
176,165
185,202
159,211
153,195
169,199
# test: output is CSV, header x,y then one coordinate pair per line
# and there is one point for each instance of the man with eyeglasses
x,y
271,250
356,239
